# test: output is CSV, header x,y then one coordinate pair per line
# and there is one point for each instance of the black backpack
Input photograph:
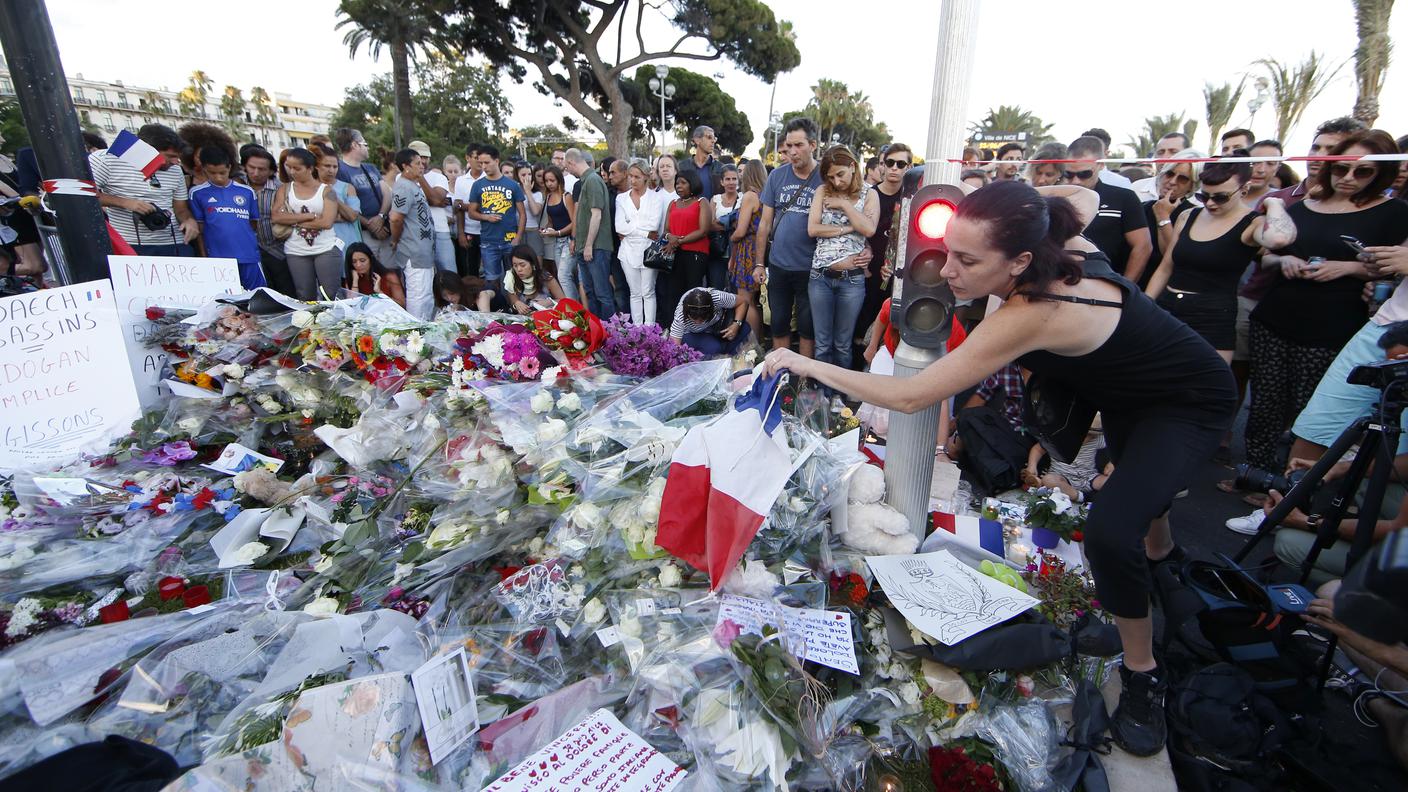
x,y
993,453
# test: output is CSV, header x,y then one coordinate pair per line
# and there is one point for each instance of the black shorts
x,y
1211,315
786,289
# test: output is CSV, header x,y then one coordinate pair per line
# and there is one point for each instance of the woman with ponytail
x,y
1095,340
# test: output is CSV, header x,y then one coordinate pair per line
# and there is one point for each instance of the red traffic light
x,y
932,219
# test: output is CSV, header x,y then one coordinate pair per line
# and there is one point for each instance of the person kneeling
x,y
702,320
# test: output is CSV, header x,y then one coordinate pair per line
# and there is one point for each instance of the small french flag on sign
x,y
96,294
973,531
136,152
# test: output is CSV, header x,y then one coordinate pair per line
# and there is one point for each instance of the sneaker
x,y
1246,525
1138,723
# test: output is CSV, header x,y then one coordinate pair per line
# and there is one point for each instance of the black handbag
x,y
1056,417
657,258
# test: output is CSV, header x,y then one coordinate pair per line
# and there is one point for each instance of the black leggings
x,y
1153,457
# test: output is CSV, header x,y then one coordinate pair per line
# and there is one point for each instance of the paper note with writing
x,y
141,282
64,382
445,696
600,754
237,458
944,597
826,634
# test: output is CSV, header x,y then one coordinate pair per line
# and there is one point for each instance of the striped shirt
x,y
117,178
724,303
265,231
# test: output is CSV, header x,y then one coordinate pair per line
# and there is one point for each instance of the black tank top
x,y
557,215
1214,266
1153,365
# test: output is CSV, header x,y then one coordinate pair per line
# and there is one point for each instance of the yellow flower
x,y
846,413
203,380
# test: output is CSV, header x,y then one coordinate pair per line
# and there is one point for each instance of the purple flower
x,y
726,632
170,454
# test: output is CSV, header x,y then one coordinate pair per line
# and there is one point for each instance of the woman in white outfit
x,y
314,258
638,224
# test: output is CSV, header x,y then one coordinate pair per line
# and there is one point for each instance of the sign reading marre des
x,y
143,281
63,383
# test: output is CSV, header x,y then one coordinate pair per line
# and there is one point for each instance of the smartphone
x,y
1354,244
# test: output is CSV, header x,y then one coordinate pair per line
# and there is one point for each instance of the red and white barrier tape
x,y
1164,160
69,187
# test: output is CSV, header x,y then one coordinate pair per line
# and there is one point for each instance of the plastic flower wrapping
x,y
247,581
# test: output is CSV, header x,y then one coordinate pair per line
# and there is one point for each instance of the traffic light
x,y
922,305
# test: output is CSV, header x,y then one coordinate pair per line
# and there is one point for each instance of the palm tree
x,y
1012,118
232,106
263,107
1221,103
1157,127
1293,88
1371,56
403,28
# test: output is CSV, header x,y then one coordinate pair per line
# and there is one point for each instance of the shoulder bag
x,y
656,257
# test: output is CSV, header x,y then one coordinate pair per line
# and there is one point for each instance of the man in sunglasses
x,y
152,214
895,162
1119,230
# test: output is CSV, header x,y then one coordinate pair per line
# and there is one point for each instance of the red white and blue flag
x,y
136,152
973,531
724,479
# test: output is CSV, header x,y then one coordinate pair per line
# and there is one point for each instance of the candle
x,y
1019,554
196,595
170,587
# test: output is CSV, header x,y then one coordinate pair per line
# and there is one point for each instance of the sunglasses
x,y
897,164
1342,169
1081,175
1216,199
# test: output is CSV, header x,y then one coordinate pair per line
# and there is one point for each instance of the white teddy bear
x,y
871,526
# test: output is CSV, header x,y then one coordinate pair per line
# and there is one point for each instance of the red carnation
x,y
154,313
1077,536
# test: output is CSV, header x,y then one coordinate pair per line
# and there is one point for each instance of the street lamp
x,y
664,90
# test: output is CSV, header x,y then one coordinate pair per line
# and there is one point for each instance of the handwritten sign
x,y
600,754
826,634
169,282
63,384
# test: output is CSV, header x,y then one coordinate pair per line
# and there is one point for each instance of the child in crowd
x,y
1081,478
228,213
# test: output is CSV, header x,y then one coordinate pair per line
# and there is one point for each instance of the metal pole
x,y
909,455
33,57
662,120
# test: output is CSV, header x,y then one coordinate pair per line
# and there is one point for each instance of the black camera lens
x,y
155,220
1255,479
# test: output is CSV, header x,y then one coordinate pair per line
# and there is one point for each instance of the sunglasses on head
x,y
1215,199
898,164
1081,175
1342,169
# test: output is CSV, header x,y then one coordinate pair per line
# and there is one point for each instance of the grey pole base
x,y
909,451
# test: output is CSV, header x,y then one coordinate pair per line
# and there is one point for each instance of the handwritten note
x,y
826,634
600,754
63,384
169,282
238,458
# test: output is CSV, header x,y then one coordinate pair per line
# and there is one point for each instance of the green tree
x,y
192,98
12,125
263,107
1294,87
1221,103
1371,56
1013,118
406,29
577,51
698,100
1156,127
842,116
457,103
232,106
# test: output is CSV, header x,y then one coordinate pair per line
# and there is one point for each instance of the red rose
x,y
154,313
1077,536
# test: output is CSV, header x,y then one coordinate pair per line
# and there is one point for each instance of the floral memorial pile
x,y
356,551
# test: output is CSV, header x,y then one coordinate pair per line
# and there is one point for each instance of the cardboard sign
x,y
64,385
141,282
599,753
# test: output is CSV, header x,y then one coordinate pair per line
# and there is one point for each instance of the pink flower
x,y
727,630
529,367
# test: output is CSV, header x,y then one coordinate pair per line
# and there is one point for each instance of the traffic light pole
x,y
33,57
913,437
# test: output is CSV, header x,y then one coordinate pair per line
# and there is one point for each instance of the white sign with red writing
x,y
64,387
600,754
143,282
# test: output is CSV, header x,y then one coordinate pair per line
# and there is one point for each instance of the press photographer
x,y
151,214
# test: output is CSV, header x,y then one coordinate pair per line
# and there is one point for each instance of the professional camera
x,y
1379,375
155,220
1373,600
1252,478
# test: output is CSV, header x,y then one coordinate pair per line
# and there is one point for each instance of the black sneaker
x,y
1138,723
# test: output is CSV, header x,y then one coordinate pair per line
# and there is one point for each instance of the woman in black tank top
x,y
1164,395
1197,279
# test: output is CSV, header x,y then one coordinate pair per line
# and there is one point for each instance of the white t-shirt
x,y
568,182
439,215
463,185
531,219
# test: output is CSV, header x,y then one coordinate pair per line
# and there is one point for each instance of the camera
x,y
155,220
1379,375
1250,477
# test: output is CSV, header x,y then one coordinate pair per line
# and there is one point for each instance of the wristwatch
x,y
738,322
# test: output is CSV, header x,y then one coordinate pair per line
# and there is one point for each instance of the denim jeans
x,y
445,251
711,344
835,304
566,267
494,259
595,268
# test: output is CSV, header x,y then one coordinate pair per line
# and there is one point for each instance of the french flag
x,y
724,478
136,152
973,531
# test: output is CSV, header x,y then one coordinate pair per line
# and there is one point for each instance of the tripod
x,y
1377,436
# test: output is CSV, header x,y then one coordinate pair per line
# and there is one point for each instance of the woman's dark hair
x,y
696,187
529,255
1217,172
446,281
1019,220
366,250
1376,141
557,173
304,156
698,304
